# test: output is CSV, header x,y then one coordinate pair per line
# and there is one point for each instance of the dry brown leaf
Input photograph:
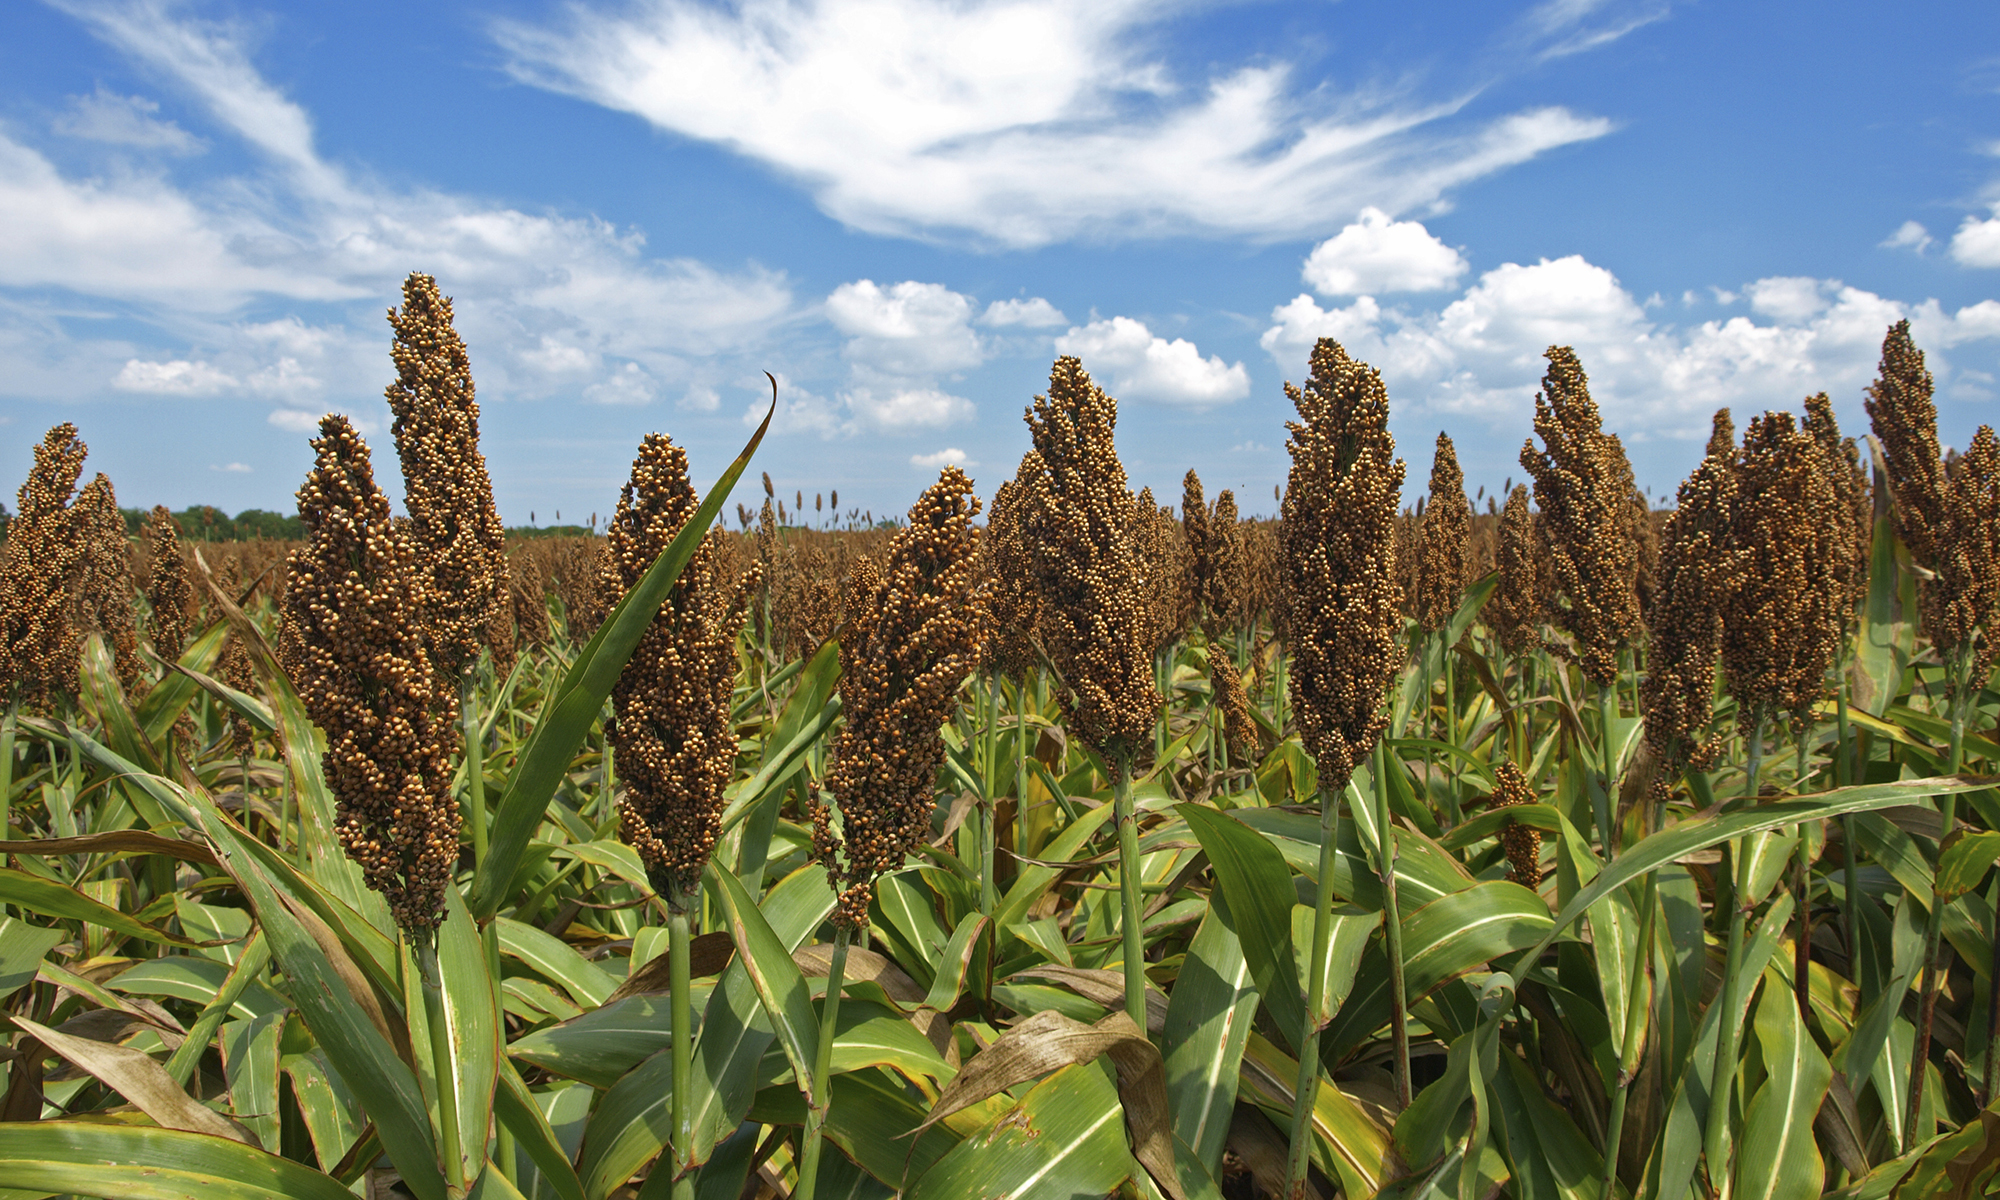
x,y
136,1076
1049,1041
1102,987
707,955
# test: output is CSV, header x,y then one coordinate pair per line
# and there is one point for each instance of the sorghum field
x,y
1084,846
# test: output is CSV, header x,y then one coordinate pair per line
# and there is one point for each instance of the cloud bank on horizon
x,y
179,241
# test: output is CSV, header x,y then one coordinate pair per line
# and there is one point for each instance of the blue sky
x,y
904,209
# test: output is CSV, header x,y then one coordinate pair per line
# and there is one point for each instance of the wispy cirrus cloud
x,y
1025,122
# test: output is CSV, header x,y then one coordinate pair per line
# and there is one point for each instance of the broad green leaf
x,y
630,1127
22,949
1034,881
1257,886
1661,848
164,703
872,1119
1776,1156
1965,863
472,1029
51,899
125,1162
603,1044
197,980
1209,1013
1065,1138
1549,1157
250,1063
332,1115
782,989
1348,1144
571,710
517,1110
354,1045
556,961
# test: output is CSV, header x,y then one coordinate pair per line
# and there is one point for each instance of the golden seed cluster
x,y
1584,488
1522,843
105,598
914,631
1078,521
676,748
1949,517
1341,603
1515,612
1685,630
1166,572
1442,538
44,557
169,595
1015,605
353,642
446,490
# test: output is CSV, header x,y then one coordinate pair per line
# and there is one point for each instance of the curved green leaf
x,y
125,1162
573,708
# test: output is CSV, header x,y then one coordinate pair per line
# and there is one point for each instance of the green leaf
x,y
1257,886
782,989
22,949
1684,839
1888,635
250,1063
554,959
52,899
354,1045
1065,1138
574,706
163,704
1034,880
472,1023
332,1115
124,1162
631,1126
809,704
1209,1014
514,1107
603,1044
1965,863
1776,1156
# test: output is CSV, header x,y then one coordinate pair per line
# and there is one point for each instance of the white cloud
x,y
909,328
124,121
294,421
700,398
235,468
1790,299
950,456
178,377
908,408
1977,242
1020,122
1377,255
1482,353
286,380
629,384
1035,313
1909,234
1144,367
799,411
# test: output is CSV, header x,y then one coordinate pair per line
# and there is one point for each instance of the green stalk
x,y
1723,1077
443,1065
1021,767
822,1080
988,840
1450,730
7,765
1605,806
1638,1014
1308,1083
681,1014
1962,695
1392,924
475,770
256,956
503,1138
1843,774
1129,883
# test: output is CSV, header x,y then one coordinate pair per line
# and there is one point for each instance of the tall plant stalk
x,y
822,1080
1392,925
475,768
1722,1078
1308,1081
680,937
1962,696
1130,883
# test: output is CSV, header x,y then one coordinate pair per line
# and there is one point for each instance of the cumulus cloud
x,y
1144,367
1376,255
234,468
1977,242
124,121
1035,313
950,456
1022,122
177,377
294,421
908,408
906,329
1911,235
799,410
551,303
629,385
1482,353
